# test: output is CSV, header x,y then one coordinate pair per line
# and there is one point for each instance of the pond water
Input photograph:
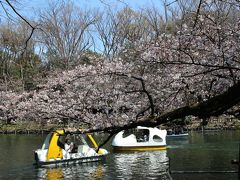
x,y
197,152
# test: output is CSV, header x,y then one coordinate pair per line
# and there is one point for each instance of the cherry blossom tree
x,y
191,71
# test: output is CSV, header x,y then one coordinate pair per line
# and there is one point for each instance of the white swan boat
x,y
54,152
140,139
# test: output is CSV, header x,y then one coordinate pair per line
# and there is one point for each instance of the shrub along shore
x,y
44,128
27,128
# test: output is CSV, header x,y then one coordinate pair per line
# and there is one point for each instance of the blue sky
x,y
96,3
30,7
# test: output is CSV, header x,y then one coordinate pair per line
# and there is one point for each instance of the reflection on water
x,y
138,165
53,174
84,171
177,142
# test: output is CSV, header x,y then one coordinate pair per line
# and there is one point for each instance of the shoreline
x,y
44,132
22,129
27,128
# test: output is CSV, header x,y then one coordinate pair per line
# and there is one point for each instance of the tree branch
x,y
215,106
15,11
198,11
18,14
106,140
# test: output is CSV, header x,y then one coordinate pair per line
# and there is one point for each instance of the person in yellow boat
x,y
68,146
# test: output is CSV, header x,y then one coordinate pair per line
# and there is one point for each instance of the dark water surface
x,y
198,152
206,152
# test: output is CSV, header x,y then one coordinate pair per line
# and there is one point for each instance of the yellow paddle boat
x,y
61,148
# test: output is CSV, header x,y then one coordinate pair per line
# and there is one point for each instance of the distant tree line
x,y
65,35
